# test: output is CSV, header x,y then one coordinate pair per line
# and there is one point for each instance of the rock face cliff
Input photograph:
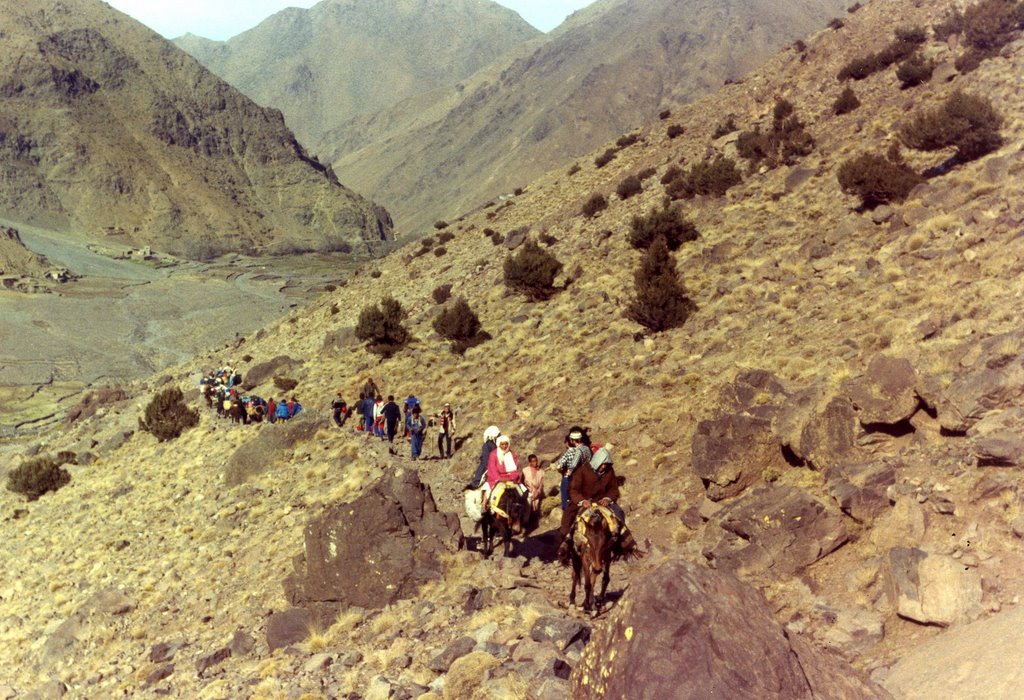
x,y
106,127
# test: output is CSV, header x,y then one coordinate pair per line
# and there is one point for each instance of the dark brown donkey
x,y
591,554
517,507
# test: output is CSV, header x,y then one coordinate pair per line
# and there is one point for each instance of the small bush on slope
x,y
532,272
664,223
661,302
965,121
460,324
38,476
876,180
381,327
712,178
846,102
167,416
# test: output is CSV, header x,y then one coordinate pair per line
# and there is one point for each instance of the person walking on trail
x,y
407,407
595,483
502,464
490,435
272,410
417,427
340,411
366,409
378,417
533,478
369,388
577,453
392,414
445,430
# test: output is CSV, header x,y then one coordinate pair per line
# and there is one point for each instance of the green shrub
x,y
674,130
914,71
459,324
440,225
953,23
547,239
517,191
846,102
375,274
38,476
629,186
445,236
381,327
664,114
786,141
532,272
91,402
660,302
440,251
285,384
859,68
167,416
991,24
646,173
906,41
605,158
726,127
442,293
671,173
836,24
595,204
968,122
574,169
799,45
876,180
627,140
665,223
713,178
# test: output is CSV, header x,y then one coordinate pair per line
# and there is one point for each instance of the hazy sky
x,y
223,19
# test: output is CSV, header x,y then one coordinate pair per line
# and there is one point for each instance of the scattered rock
x,y
164,651
998,439
685,631
288,627
214,658
51,690
318,662
242,643
564,631
993,379
780,529
467,674
457,649
902,526
375,550
860,488
517,237
159,674
932,589
379,689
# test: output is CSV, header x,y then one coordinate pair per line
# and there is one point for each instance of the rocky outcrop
x,y
272,443
992,378
998,439
886,393
777,529
375,550
731,453
685,631
931,588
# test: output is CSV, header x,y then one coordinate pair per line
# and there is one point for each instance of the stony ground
x,y
787,276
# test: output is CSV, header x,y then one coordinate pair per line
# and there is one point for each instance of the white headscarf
x,y
506,460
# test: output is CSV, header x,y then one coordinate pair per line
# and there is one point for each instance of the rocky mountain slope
x,y
608,69
837,423
339,59
108,128
17,261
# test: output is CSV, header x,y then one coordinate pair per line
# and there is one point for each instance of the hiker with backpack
x,y
416,425
340,411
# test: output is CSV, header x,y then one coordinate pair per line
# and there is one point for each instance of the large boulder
x,y
273,442
777,529
827,437
260,373
931,589
684,631
375,550
997,440
886,393
861,488
976,661
731,452
993,378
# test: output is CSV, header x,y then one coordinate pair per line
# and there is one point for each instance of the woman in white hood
x,y
502,465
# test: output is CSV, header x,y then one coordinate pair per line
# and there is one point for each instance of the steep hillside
x,y
609,69
15,259
342,58
837,423
106,127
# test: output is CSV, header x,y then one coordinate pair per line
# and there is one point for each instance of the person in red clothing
x,y
502,465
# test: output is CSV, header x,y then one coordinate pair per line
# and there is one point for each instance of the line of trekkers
x,y
381,419
221,390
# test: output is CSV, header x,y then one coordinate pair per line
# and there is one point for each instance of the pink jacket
x,y
496,472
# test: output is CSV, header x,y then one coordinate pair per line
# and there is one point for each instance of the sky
x,y
223,19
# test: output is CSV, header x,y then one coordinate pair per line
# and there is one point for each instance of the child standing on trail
x,y
417,427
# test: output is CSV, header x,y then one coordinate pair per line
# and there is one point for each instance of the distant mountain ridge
x,y
608,68
343,58
107,127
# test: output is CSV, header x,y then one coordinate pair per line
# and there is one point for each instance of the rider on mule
x,y
596,484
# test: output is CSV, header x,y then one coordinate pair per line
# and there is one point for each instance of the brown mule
x,y
591,554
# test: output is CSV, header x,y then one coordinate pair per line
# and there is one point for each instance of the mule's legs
x,y
506,535
588,587
486,534
576,566
606,577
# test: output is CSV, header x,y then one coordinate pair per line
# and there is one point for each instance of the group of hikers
x,y
221,389
381,419
587,479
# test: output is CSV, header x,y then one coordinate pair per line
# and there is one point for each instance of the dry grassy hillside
x,y
788,276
